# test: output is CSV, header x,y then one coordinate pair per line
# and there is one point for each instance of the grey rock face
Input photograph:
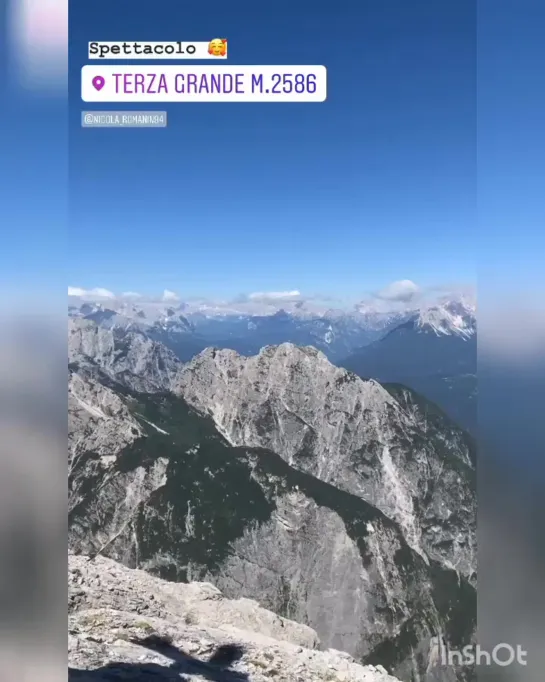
x,y
124,624
131,358
305,563
99,419
289,520
351,433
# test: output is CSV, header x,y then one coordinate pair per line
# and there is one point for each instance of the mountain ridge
x,y
155,484
303,425
187,330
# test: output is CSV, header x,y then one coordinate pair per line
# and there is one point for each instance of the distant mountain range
x,y
188,330
434,352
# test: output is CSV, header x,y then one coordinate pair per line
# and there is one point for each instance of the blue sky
x,y
376,184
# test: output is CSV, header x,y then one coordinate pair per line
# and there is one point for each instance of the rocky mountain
x,y
434,353
166,325
130,315
354,434
127,356
127,625
334,502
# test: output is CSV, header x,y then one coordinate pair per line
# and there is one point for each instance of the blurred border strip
x,y
511,239
38,31
33,422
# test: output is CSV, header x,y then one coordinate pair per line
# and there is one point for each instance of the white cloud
x,y
170,295
274,296
97,292
76,291
404,290
131,294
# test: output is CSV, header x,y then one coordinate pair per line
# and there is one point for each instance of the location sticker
x,y
98,83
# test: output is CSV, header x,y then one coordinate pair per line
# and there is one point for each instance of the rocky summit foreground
x,y
127,625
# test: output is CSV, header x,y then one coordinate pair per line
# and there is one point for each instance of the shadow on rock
x,y
216,669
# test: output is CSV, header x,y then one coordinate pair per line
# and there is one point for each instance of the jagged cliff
x,y
342,506
130,357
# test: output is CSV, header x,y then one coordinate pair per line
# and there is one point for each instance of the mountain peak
x,y
451,318
315,415
282,352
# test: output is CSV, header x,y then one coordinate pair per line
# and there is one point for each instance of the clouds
x,y
402,291
96,293
100,294
274,296
398,296
170,296
255,303
404,295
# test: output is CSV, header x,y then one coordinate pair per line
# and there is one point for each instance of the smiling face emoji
x,y
218,47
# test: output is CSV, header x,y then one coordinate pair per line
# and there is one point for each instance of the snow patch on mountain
x,y
452,318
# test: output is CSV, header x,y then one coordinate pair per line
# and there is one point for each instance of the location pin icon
x,y
98,82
